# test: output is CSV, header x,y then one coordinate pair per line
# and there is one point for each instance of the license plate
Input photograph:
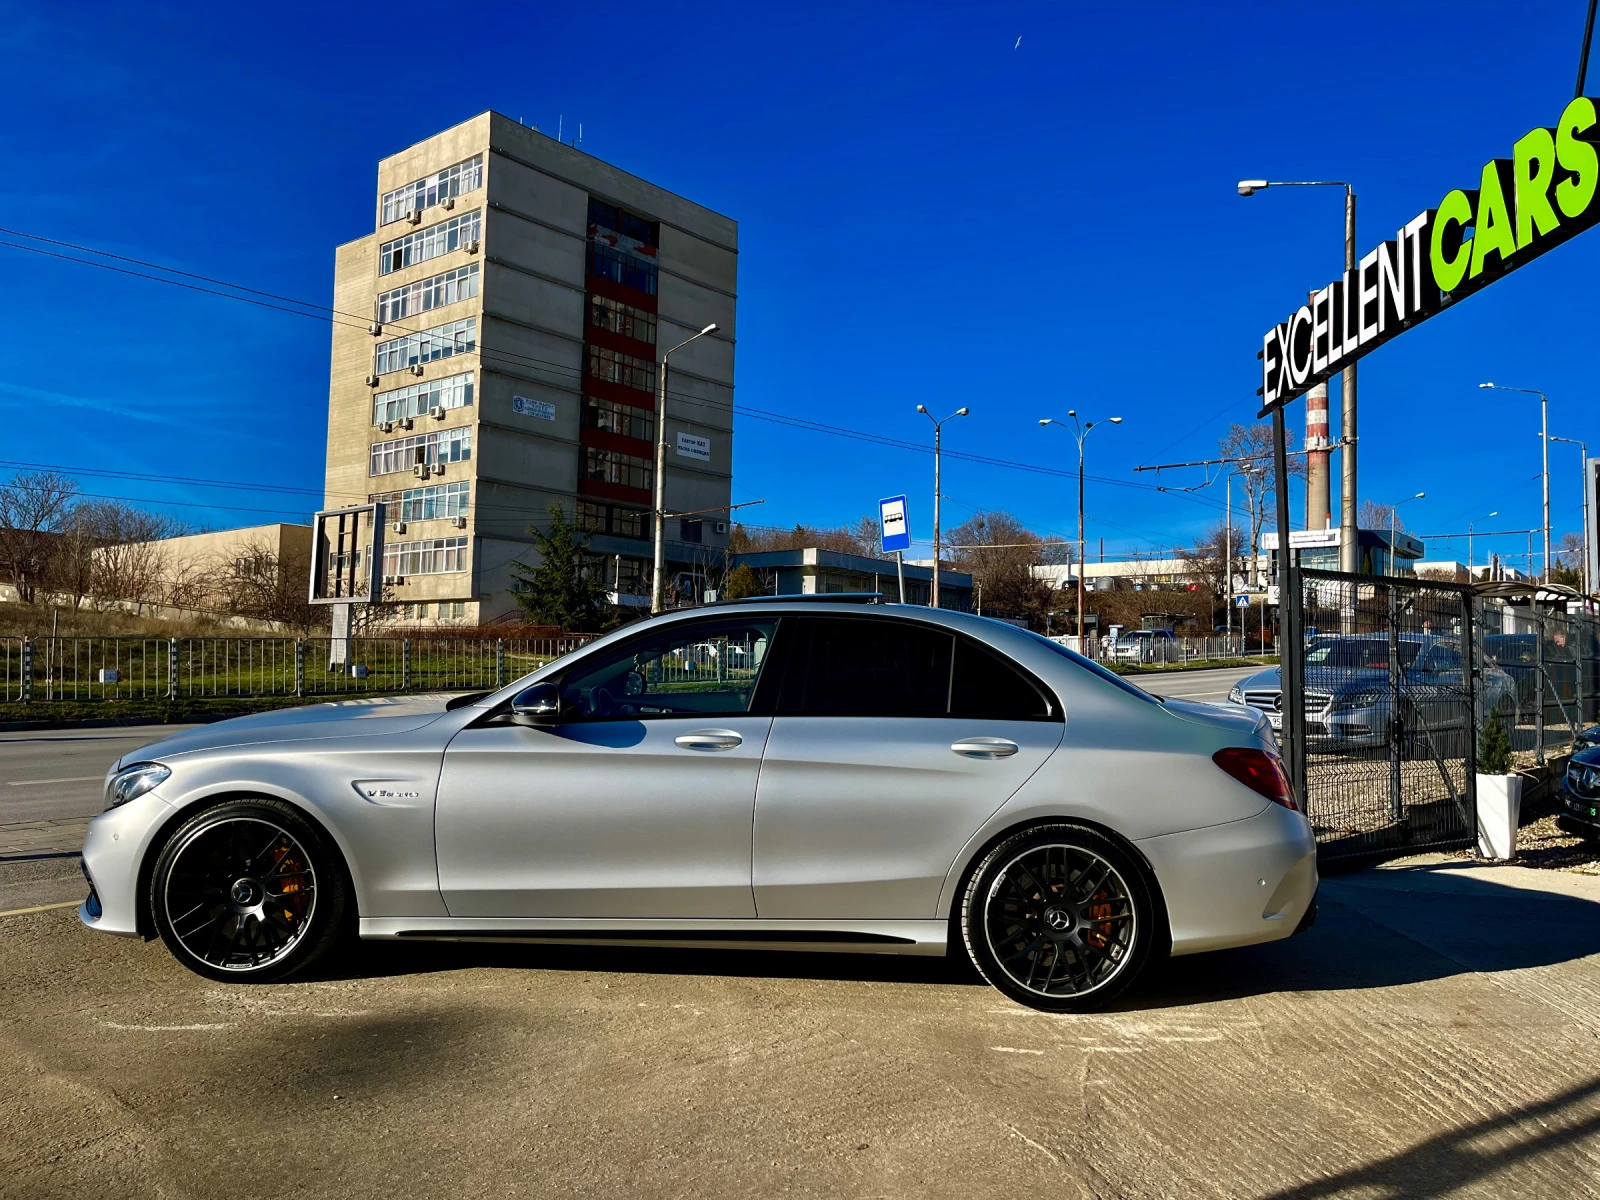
x,y
1275,720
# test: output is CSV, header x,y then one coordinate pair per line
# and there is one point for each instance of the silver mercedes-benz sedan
x,y
785,773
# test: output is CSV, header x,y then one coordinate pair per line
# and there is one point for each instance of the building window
x,y
630,270
623,369
692,530
429,556
623,419
442,501
615,572
428,294
446,446
420,399
442,341
419,247
606,313
603,216
611,518
424,193
607,466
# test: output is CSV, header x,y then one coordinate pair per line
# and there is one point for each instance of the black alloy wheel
x,y
248,891
1060,918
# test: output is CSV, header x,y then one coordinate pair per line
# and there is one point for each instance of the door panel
x,y
861,817
605,819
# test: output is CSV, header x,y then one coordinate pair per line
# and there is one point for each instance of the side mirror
x,y
539,704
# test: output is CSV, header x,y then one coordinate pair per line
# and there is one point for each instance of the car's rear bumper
x,y
1236,884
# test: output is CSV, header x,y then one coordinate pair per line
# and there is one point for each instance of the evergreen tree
x,y
1494,748
741,582
564,589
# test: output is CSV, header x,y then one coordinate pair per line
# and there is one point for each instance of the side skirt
x,y
857,937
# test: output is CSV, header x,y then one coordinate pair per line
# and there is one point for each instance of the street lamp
x,y
1544,437
1583,459
657,589
938,430
1349,539
1394,510
1470,524
1080,431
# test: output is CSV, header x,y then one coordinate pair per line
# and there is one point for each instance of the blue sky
x,y
929,213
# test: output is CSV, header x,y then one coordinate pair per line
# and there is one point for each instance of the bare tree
x,y
130,559
859,537
1000,553
35,510
263,585
1208,561
1249,447
1374,514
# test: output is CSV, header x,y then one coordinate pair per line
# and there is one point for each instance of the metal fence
x,y
1157,653
47,669
1400,676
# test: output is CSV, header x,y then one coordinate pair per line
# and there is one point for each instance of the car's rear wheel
x,y
248,891
1060,918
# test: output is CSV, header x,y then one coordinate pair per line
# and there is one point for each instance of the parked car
x,y
1348,700
1517,654
887,779
1580,793
1147,645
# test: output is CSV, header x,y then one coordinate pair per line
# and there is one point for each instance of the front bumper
x,y
112,851
1584,810
1236,884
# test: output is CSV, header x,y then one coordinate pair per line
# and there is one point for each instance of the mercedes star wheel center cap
x,y
244,893
1059,920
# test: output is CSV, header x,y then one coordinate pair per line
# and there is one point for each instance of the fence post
x,y
172,668
405,663
27,670
299,666
499,662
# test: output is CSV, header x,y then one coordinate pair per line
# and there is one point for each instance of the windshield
x,y
1094,668
1359,652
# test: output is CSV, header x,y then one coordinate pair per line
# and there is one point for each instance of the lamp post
x,y
1394,510
1079,430
938,430
657,589
1583,458
1544,438
1349,539
1470,524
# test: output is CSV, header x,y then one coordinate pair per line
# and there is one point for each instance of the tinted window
x,y
868,668
687,671
989,688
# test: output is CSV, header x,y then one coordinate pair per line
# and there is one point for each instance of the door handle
x,y
984,747
709,739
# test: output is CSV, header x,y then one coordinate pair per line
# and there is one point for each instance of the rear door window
x,y
864,667
987,687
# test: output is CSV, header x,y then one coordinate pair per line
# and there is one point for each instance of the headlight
x,y
1362,699
1236,696
132,782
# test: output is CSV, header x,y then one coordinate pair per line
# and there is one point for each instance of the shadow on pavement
x,y
1442,1164
1379,929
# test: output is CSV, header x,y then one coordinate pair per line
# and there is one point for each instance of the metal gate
x,y
1391,703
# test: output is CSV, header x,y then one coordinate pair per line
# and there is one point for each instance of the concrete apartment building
x,y
519,293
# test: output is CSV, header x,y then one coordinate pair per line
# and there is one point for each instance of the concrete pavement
x,y
1436,1033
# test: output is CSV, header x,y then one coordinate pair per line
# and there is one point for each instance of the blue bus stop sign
x,y
896,524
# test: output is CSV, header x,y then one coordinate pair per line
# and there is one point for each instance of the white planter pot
x,y
1499,809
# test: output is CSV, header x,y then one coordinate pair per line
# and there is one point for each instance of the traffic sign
x,y
1242,600
895,524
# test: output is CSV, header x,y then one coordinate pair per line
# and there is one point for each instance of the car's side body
x,y
817,831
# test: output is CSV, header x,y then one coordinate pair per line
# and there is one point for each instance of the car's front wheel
x,y
249,890
1060,918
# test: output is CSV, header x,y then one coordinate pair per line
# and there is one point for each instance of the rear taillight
x,y
1259,771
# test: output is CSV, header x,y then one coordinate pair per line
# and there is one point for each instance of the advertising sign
x,y
895,523
541,410
1521,207
692,445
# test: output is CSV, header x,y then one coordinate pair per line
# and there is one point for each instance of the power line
x,y
332,316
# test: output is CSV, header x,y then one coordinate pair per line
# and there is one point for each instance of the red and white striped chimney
x,y
1318,496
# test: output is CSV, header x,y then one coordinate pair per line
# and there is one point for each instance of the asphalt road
x,y
1437,1033
1210,686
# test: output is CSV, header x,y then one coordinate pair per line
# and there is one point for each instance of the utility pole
x,y
658,580
938,431
1080,431
1583,458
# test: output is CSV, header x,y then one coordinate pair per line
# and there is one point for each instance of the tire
x,y
1071,952
249,891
